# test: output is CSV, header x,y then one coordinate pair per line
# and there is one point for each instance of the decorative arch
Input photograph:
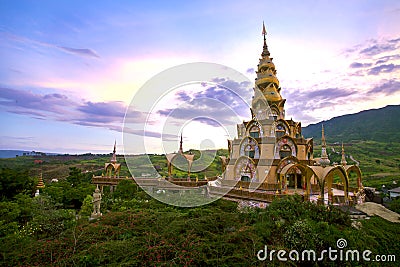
x,y
112,169
245,169
341,171
299,179
327,180
282,128
254,129
294,176
249,147
282,147
284,162
357,171
172,157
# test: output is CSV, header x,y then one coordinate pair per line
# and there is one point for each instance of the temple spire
x,y
181,145
324,160
343,161
265,47
114,155
40,182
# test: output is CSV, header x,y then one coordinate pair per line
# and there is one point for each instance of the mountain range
x,y
17,153
381,125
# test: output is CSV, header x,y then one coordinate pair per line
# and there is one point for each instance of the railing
x,y
341,187
244,194
159,182
252,185
108,180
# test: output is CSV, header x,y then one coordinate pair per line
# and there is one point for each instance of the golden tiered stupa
x,y
40,184
270,154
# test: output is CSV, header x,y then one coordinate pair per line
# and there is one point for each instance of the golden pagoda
x,y
40,184
271,155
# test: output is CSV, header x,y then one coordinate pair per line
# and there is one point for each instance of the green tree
x,y
87,207
75,176
68,194
126,189
72,191
13,182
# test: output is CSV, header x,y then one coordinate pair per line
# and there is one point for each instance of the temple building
x,y
181,160
269,158
113,168
270,154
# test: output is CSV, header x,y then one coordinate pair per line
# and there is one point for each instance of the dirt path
x,y
372,209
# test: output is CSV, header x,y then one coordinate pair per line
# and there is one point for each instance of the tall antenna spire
x,y
343,162
324,160
265,47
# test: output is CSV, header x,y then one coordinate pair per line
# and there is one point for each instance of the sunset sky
x,y
69,69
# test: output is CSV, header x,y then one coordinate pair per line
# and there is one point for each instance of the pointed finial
x,y
181,144
343,161
264,32
324,160
265,47
114,155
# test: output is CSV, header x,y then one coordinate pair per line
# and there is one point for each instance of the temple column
x,y
321,199
308,188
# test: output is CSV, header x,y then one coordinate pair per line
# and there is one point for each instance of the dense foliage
x,y
13,182
136,230
71,192
140,231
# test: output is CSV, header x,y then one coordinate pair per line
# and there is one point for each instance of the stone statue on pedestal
x,y
96,203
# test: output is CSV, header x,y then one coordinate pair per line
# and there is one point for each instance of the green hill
x,y
370,137
381,125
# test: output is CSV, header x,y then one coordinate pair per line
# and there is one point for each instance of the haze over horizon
x,y
70,69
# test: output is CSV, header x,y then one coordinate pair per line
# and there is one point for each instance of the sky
x,y
69,70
